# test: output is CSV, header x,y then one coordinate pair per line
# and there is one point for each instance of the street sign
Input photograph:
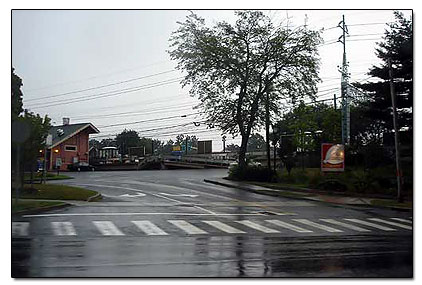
x,y
332,157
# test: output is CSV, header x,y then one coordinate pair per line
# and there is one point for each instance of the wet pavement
x,y
172,224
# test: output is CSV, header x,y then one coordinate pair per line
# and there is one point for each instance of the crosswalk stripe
x,y
402,220
371,225
63,229
20,228
187,227
257,227
288,226
107,228
318,226
391,223
348,226
223,227
149,228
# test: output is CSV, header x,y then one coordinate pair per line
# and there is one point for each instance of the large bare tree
x,y
232,68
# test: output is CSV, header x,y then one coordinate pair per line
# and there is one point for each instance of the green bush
x,y
251,173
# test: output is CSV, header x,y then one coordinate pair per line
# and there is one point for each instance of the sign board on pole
x,y
332,157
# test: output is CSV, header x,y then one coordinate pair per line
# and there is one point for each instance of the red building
x,y
70,145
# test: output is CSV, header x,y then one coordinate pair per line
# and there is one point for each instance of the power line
x,y
109,94
150,120
101,86
368,24
93,77
135,113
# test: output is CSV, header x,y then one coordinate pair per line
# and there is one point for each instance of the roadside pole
x,y
44,172
18,178
396,135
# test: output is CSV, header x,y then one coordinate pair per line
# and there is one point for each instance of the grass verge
x,y
391,203
25,205
55,192
49,176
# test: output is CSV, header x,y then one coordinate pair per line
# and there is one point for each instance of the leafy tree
x,y
397,44
232,147
256,143
17,105
127,139
36,140
231,68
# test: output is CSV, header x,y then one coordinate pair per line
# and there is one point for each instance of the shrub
x,y
251,173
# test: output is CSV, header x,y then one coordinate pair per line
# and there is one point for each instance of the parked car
x,y
80,166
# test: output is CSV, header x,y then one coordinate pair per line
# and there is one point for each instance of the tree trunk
x,y
267,134
242,152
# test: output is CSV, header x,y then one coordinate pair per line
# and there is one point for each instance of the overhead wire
x,y
101,86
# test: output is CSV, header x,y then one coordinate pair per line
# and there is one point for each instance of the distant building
x,y
69,145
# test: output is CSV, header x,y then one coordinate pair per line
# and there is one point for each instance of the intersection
x,y
175,225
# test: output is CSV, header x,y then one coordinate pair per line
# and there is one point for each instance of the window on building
x,y
70,148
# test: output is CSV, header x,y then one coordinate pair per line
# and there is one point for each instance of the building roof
x,y
64,132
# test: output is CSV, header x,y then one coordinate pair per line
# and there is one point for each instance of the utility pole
x,y
186,145
345,100
224,143
335,102
396,135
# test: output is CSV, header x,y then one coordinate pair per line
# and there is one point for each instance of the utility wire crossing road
x,y
205,227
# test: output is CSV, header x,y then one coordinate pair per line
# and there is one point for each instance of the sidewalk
x,y
305,193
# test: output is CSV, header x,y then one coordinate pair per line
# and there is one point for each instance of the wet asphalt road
x,y
172,224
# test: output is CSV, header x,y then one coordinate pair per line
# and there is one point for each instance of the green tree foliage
x,y
256,142
36,140
39,126
232,147
17,105
397,44
311,125
231,68
127,139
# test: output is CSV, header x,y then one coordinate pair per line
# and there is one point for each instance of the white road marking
x,y
107,228
133,195
402,220
107,186
63,229
20,228
223,227
371,225
257,227
149,228
288,226
391,223
187,227
178,195
140,214
348,226
318,226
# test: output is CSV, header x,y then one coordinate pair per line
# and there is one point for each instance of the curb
x,y
306,198
92,198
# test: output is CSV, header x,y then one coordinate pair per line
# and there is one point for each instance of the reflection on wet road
x,y
182,227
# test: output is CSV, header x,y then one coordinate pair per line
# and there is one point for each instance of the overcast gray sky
x,y
59,53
